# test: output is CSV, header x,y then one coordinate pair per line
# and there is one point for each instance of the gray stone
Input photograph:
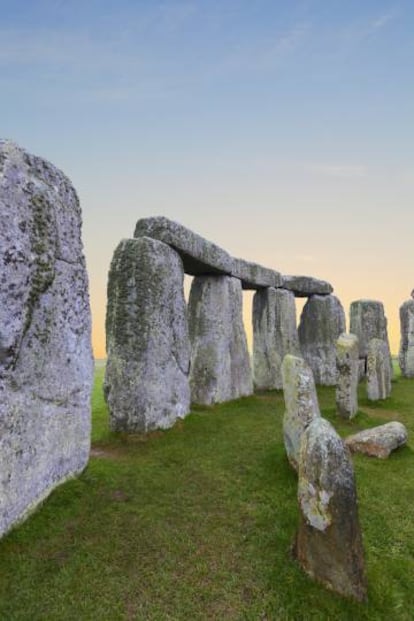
x,y
347,364
220,366
301,404
254,276
321,323
147,371
406,356
367,320
46,364
378,370
274,335
378,441
329,543
305,286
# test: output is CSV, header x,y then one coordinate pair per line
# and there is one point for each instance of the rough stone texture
x,y
305,286
147,371
406,356
46,364
347,364
274,335
378,370
329,543
254,276
301,404
367,320
378,441
321,323
220,366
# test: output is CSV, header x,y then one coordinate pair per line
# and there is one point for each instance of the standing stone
x,y
378,370
274,335
367,320
321,323
220,366
347,363
329,543
301,404
406,356
46,364
146,381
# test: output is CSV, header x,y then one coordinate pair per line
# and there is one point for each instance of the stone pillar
x,y
146,380
406,356
220,365
274,335
321,323
378,370
367,320
347,363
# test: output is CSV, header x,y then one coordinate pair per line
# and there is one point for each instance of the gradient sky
x,y
283,131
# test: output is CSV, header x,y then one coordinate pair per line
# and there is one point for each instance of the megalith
x,y
46,363
147,372
347,364
321,323
274,335
367,320
220,365
329,543
378,441
378,370
406,355
301,404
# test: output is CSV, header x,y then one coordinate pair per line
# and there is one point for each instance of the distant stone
x,y
321,323
147,371
367,320
362,368
329,543
347,364
46,364
406,356
301,404
378,370
254,276
274,335
378,441
220,365
305,286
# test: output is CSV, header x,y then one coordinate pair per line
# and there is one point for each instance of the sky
x,y
282,131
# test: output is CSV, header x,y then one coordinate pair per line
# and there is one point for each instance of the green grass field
x,y
197,523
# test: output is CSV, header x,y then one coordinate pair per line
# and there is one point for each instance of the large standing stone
x,y
220,366
274,335
46,363
378,441
406,357
367,320
347,363
321,323
301,404
329,542
305,286
378,370
146,381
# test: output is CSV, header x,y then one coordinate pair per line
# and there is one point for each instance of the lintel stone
x,y
305,286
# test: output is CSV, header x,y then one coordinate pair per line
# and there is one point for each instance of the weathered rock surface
x,y
220,365
378,370
274,335
321,323
367,320
301,404
378,441
347,364
329,543
254,276
406,356
305,286
147,371
46,364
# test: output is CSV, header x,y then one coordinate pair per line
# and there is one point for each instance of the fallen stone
x,y
147,372
378,370
347,364
367,320
305,286
301,404
254,276
406,355
329,542
378,441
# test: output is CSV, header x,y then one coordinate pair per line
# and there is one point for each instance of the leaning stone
x,y
254,276
367,320
146,379
46,364
347,364
378,441
220,365
274,335
406,356
301,404
378,370
329,542
321,323
305,286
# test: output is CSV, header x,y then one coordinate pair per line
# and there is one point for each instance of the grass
x,y
197,523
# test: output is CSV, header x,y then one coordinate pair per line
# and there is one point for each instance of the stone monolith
x,y
367,320
378,370
378,441
406,355
347,364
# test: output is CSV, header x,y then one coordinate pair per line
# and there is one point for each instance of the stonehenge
x,y
367,320
406,353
